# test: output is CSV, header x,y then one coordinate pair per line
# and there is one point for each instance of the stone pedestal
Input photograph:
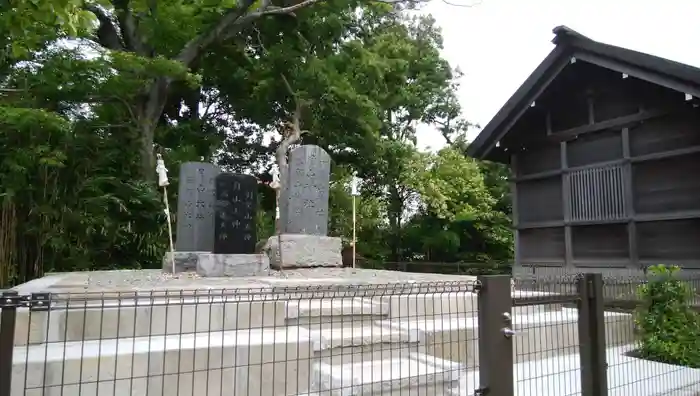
x,y
209,264
304,251
184,261
232,265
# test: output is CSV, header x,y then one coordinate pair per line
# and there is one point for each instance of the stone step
x,y
415,374
329,337
337,311
85,320
77,320
251,362
288,353
538,335
424,390
361,342
145,317
231,362
459,303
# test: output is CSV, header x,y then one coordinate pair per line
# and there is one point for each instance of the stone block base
x,y
304,251
184,261
233,265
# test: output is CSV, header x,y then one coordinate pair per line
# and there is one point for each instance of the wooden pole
x,y
162,172
170,227
277,186
354,228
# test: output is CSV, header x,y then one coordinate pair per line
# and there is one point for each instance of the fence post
x,y
8,314
495,339
591,334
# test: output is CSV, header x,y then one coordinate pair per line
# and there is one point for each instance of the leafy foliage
x,y
459,218
89,90
669,327
62,208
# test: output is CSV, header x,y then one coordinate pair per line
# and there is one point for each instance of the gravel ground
x,y
157,280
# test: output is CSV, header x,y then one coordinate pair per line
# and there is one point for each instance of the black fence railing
x,y
490,335
455,268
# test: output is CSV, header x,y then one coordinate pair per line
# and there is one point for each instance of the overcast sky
x,y
498,43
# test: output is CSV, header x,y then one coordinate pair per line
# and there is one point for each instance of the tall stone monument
x,y
304,214
195,207
235,208
307,191
195,215
234,230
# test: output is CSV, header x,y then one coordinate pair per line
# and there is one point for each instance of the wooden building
x,y
604,147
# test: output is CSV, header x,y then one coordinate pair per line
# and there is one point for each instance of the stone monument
x,y
195,215
304,214
308,182
234,230
235,208
195,207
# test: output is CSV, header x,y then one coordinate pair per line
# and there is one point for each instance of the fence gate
x,y
520,330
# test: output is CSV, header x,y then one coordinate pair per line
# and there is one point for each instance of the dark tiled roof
x,y
568,43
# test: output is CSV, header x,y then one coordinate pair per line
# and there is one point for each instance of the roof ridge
x,y
568,42
563,32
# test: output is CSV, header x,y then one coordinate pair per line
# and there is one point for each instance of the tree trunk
x,y
148,114
395,211
146,135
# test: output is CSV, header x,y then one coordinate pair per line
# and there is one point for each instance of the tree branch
x,y
129,28
156,98
291,131
107,34
287,10
194,47
231,23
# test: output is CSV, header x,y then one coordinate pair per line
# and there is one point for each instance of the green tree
x,y
70,199
459,218
183,34
668,326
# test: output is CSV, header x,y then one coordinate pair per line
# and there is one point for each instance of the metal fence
x,y
439,338
456,268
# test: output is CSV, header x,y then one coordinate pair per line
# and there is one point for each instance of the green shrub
x,y
668,326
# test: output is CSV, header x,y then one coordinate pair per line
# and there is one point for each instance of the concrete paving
x,y
560,376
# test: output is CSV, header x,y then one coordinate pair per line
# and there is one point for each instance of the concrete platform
x,y
325,331
114,282
91,319
297,355
123,304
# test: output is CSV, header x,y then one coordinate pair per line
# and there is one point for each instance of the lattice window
x,y
597,193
